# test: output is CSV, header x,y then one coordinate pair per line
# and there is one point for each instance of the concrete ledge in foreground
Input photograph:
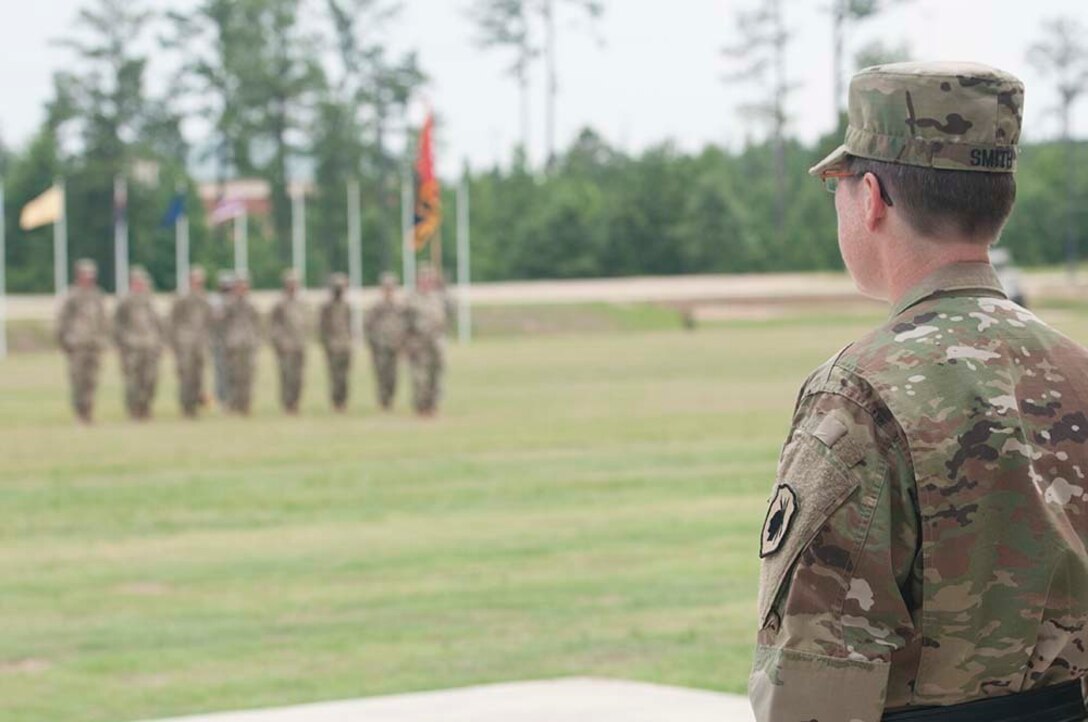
x,y
563,700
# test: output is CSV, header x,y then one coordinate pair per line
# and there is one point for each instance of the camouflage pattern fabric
x,y
287,330
82,333
925,542
334,331
241,336
954,116
426,318
385,329
190,332
139,333
218,303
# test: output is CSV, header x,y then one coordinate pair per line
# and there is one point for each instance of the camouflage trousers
x,y
427,361
240,371
291,365
83,376
339,363
385,373
140,368
190,363
219,366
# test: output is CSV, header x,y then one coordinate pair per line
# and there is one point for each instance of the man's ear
x,y
875,209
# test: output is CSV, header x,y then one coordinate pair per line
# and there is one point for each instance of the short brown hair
x,y
935,201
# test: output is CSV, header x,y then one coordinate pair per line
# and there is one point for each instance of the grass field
x,y
587,504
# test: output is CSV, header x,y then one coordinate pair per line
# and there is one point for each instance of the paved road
x,y
564,700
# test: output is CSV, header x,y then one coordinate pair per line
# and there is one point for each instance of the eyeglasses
x,y
832,178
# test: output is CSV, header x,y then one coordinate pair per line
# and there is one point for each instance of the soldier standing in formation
x,y
190,329
426,316
384,328
924,550
139,334
241,337
82,332
218,301
287,329
335,335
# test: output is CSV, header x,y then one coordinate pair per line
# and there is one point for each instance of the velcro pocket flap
x,y
817,483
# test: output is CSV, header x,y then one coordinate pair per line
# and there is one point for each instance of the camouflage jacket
x,y
426,316
241,324
136,324
82,323
385,324
190,321
925,541
335,326
287,325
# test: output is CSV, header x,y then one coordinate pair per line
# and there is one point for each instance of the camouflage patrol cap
x,y
389,279
290,275
86,265
139,272
338,280
949,116
225,279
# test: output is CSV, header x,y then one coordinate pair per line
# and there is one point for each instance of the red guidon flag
x,y
428,192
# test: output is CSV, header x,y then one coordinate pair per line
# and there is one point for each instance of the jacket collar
x,y
952,278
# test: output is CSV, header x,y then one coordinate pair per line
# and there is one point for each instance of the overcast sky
x,y
656,77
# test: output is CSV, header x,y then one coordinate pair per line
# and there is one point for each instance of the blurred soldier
x,y
218,301
190,331
923,551
241,338
82,332
335,333
384,328
138,332
426,316
287,330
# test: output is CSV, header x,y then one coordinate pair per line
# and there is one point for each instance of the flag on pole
x,y
43,210
428,193
227,209
174,211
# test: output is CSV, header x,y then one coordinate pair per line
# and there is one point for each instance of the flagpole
x,y
355,259
464,310
298,233
120,235
3,278
181,244
241,242
60,244
407,215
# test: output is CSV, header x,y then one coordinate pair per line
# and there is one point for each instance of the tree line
x,y
273,88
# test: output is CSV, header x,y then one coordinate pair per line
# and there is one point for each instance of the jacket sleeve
x,y
838,545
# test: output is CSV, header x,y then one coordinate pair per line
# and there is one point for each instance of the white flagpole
x,y
407,220
241,243
120,234
355,259
464,310
298,233
60,244
3,279
181,235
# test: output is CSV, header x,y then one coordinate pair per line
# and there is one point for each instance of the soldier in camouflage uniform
x,y
384,328
241,338
190,330
138,331
287,330
924,546
82,333
335,333
426,316
218,301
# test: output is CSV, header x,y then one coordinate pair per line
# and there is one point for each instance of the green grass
x,y
585,505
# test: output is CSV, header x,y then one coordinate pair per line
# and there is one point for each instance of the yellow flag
x,y
43,210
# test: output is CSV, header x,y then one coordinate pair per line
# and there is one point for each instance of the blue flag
x,y
175,211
